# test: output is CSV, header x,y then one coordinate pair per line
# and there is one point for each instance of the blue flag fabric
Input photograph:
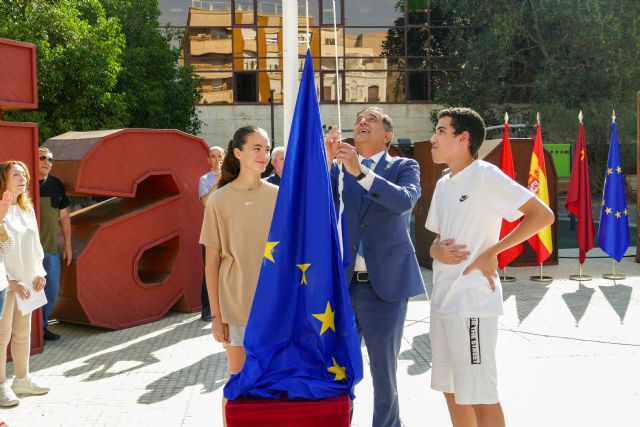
x,y
613,234
301,340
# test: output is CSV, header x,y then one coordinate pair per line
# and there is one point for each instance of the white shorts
x,y
236,335
463,353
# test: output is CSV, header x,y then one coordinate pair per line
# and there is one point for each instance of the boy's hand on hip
x,y
487,264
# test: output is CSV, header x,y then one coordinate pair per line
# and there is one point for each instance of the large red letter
x,y
136,255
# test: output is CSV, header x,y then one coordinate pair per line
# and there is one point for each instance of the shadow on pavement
x,y
420,354
210,372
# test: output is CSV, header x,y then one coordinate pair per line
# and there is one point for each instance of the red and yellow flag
x,y
541,242
506,164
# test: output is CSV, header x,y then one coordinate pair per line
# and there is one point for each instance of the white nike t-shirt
x,y
469,208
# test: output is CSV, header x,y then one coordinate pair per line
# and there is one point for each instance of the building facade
x,y
387,54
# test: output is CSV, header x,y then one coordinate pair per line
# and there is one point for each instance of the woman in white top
x,y
25,274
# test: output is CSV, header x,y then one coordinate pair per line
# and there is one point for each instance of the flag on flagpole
x,y
613,234
542,241
506,164
579,196
301,340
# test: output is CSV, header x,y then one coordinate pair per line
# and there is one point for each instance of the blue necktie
x,y
367,163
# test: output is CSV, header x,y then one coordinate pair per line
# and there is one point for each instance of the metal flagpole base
x,y
541,278
614,276
580,277
507,279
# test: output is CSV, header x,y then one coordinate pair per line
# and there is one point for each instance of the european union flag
x,y
613,235
301,340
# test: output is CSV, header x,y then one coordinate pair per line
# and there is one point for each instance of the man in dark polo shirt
x,y
53,216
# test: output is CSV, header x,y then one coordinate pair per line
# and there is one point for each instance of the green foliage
x,y
102,64
78,57
159,92
552,56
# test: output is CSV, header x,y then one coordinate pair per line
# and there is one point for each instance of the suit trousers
x,y
380,323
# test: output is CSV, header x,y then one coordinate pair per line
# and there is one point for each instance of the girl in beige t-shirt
x,y
235,229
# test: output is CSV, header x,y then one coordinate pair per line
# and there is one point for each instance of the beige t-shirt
x,y
236,222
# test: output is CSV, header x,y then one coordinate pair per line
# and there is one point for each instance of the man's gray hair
x,y
45,149
275,151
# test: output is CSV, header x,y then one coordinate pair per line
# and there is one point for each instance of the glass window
x,y
173,12
417,41
328,42
314,41
368,13
269,13
327,12
437,41
314,13
371,42
210,42
374,86
418,86
244,14
330,63
246,87
270,42
216,87
328,84
208,13
418,12
266,82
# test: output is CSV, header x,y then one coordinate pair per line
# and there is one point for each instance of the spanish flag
x,y
537,183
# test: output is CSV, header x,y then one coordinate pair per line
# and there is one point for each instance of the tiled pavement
x,y
569,355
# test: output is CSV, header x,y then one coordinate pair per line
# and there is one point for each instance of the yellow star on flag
x,y
339,371
608,211
609,171
626,212
327,319
268,249
619,169
304,268
618,214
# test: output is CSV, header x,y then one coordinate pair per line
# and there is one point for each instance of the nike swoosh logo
x,y
248,203
463,198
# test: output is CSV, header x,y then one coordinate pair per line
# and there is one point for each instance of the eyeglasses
x,y
49,159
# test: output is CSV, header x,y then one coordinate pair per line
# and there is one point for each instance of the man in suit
x,y
379,194
277,160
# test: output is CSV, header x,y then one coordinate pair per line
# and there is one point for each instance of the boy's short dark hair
x,y
466,119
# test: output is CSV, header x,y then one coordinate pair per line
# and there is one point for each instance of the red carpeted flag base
x,y
332,412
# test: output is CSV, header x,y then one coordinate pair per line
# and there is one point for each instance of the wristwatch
x,y
363,172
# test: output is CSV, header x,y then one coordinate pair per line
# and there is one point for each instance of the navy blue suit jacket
x,y
381,221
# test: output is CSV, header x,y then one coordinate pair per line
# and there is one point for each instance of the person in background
x,y
25,273
277,160
206,186
54,215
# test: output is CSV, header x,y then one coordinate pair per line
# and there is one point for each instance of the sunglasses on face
x,y
49,159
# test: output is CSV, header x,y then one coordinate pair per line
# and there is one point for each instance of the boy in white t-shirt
x,y
466,213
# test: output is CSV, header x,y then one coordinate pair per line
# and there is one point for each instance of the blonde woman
x,y
25,274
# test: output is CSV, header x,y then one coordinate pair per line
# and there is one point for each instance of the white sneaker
x,y
7,396
27,385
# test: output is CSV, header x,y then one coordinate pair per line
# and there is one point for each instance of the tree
x,y
102,64
553,56
159,92
78,58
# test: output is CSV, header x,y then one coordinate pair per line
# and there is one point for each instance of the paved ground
x,y
568,353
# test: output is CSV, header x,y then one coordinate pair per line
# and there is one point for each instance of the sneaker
x,y
7,396
27,385
206,314
50,336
